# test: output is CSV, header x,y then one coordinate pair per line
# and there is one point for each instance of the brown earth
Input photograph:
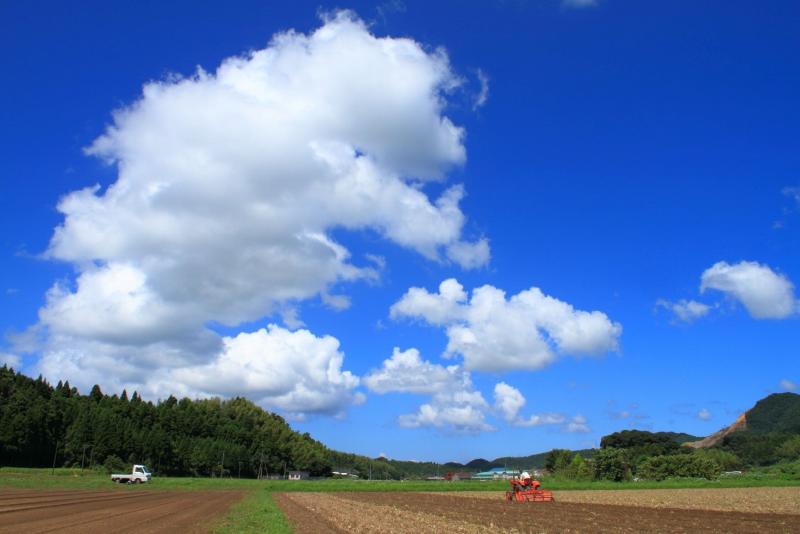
x,y
756,500
719,435
89,511
421,513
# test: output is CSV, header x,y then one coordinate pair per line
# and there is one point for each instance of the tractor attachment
x,y
528,491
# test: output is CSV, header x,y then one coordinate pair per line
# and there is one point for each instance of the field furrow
x,y
755,500
335,513
420,513
88,512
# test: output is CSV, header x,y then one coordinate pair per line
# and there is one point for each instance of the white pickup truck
x,y
140,474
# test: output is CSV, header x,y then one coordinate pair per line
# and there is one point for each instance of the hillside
x,y
177,437
777,413
719,435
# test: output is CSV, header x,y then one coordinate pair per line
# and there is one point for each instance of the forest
x,y
43,425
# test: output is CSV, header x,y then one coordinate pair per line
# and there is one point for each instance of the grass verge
x,y
75,478
256,513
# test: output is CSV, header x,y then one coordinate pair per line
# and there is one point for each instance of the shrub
x,y
611,464
726,460
114,464
684,465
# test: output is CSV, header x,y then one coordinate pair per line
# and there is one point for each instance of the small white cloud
x,y
763,292
704,415
11,360
579,3
492,333
336,302
483,94
461,411
578,425
788,385
793,192
508,401
685,310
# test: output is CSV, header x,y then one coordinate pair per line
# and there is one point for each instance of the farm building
x,y
298,475
344,472
496,473
458,476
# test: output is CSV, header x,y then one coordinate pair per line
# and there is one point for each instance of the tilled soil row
x,y
9,505
324,513
573,517
755,500
146,512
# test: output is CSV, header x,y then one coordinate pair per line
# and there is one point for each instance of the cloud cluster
x,y
508,401
229,184
579,3
763,292
455,405
704,415
793,193
493,333
685,311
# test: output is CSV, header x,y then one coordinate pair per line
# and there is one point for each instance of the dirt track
x,y
417,513
88,511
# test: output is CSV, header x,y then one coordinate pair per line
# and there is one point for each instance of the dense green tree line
x,y
39,422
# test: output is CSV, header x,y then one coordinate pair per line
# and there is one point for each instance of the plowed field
x,y
88,511
425,513
759,500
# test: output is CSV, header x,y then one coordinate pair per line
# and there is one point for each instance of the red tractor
x,y
527,490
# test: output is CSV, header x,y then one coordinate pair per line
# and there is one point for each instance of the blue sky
x,y
636,160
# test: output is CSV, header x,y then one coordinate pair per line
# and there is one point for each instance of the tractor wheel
x,y
508,496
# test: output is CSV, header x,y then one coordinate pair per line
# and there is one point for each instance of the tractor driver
x,y
525,478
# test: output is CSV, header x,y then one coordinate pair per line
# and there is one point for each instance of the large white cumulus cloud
x,y
296,373
229,184
493,333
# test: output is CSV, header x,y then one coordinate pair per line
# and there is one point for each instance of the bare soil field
x,y
423,513
90,511
756,500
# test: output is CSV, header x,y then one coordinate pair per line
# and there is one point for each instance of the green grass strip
x,y
77,479
256,513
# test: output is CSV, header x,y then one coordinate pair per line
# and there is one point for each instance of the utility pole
x,y
222,465
55,453
83,456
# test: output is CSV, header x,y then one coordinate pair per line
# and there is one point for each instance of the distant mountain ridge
x,y
779,412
